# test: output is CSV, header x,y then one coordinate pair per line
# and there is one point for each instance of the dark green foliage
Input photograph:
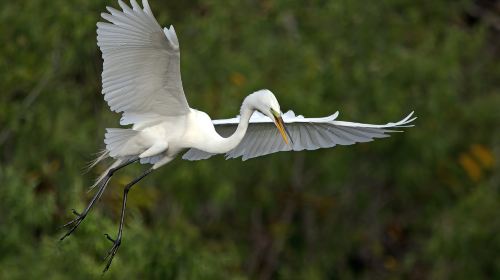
x,y
422,204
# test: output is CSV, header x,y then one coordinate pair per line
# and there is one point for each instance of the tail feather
x,y
116,138
100,156
101,177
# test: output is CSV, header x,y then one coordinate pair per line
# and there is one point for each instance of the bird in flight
x,y
141,79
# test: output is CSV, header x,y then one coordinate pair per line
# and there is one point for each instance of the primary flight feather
x,y
141,79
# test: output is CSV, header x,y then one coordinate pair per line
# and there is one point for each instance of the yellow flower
x,y
237,79
483,155
471,167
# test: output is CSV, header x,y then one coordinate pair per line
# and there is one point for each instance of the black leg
x,y
118,240
102,186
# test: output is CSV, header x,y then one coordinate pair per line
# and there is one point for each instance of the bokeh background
x,y
423,204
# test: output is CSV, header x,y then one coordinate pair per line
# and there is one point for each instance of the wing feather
x,y
262,137
141,70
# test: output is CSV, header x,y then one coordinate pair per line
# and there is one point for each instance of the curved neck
x,y
225,145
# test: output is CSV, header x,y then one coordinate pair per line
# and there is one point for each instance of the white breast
x,y
200,130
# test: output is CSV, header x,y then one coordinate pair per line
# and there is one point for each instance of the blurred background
x,y
421,204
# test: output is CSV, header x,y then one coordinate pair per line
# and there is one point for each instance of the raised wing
x,y
263,138
141,73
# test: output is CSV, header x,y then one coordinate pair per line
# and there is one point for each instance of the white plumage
x,y
262,138
141,79
141,71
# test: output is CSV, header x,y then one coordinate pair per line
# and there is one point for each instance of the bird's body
x,y
168,137
160,141
141,79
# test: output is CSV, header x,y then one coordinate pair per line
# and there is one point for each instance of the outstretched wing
x,y
263,138
141,73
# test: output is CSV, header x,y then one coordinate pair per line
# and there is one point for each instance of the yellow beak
x,y
281,127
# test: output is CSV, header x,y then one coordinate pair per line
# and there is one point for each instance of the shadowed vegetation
x,y
421,204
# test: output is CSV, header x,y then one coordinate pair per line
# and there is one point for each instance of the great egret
x,y
141,79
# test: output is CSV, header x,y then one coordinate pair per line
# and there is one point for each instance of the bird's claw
x,y
112,252
75,213
73,223
109,238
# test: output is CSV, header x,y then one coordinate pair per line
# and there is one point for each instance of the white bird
x,y
141,79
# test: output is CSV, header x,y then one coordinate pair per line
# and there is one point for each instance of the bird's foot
x,y
112,251
73,223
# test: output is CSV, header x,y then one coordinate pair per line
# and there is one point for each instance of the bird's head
x,y
265,102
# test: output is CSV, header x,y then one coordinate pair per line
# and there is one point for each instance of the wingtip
x,y
107,17
407,119
112,10
147,8
171,36
134,5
